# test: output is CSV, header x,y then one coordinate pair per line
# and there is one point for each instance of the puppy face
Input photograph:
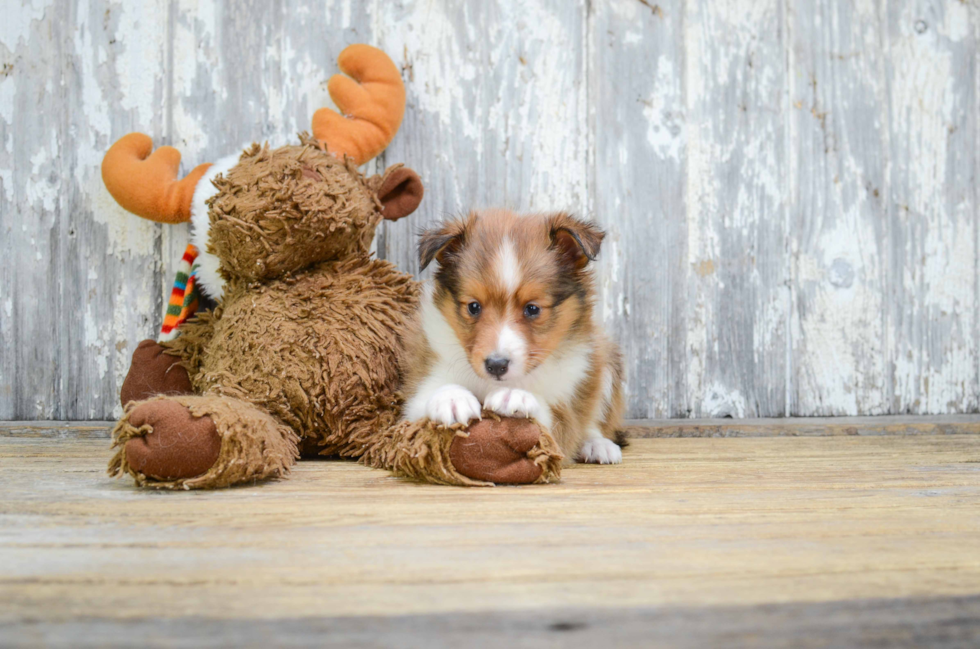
x,y
513,288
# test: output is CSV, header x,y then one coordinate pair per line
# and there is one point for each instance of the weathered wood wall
x,y
789,187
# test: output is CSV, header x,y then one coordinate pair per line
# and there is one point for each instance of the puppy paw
x,y
452,404
600,450
509,402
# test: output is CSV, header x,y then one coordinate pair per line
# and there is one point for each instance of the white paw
x,y
452,404
600,450
508,402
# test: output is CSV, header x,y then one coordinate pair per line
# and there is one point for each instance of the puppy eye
x,y
532,311
474,308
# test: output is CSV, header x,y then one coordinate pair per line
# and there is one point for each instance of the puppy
x,y
507,326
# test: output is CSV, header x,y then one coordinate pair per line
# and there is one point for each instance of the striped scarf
x,y
184,297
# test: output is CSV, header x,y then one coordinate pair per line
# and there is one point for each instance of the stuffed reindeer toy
x,y
300,355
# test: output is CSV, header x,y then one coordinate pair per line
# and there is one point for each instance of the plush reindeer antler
x,y
147,185
372,101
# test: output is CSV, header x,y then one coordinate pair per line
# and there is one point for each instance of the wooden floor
x,y
762,541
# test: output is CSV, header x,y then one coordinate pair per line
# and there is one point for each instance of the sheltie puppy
x,y
507,326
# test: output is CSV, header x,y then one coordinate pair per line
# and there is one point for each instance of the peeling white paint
x,y
956,20
127,233
935,348
440,75
665,129
612,262
95,344
722,401
18,25
42,189
7,180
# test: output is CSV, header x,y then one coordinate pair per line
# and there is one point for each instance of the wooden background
x,y
789,188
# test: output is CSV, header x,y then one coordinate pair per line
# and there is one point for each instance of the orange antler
x,y
147,185
372,103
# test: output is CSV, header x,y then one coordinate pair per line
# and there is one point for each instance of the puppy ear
x,y
577,241
441,241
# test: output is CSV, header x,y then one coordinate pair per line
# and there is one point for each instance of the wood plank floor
x,y
769,541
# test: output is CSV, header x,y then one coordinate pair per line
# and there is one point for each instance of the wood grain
x,y
636,428
840,175
938,623
80,278
789,188
639,124
736,208
799,426
687,524
931,55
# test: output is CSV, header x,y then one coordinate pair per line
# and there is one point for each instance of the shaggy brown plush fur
x,y
254,446
302,350
431,453
281,210
316,349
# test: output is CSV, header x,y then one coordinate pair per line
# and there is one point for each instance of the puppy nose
x,y
496,365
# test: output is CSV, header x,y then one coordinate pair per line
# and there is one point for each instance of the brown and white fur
x,y
507,326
